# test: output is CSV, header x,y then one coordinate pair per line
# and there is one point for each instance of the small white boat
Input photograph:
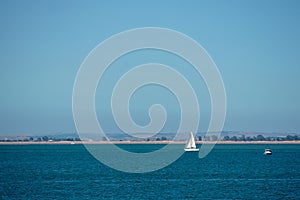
x,y
268,152
191,144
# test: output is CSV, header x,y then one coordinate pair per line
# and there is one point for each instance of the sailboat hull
x,y
189,150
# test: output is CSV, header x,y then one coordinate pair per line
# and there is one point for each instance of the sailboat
x,y
191,145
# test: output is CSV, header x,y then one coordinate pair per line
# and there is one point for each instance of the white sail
x,y
191,145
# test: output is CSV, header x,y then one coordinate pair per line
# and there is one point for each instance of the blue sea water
x,y
228,172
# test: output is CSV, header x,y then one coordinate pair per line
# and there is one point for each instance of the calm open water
x,y
228,172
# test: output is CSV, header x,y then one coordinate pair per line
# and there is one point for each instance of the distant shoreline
x,y
148,142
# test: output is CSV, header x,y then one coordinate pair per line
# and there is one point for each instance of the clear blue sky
x,y
255,44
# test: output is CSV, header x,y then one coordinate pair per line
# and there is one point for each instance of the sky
x,y
255,44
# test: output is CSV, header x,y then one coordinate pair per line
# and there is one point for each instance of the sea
x,y
230,171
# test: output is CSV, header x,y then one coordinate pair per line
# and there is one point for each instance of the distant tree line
x,y
163,138
40,139
261,138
